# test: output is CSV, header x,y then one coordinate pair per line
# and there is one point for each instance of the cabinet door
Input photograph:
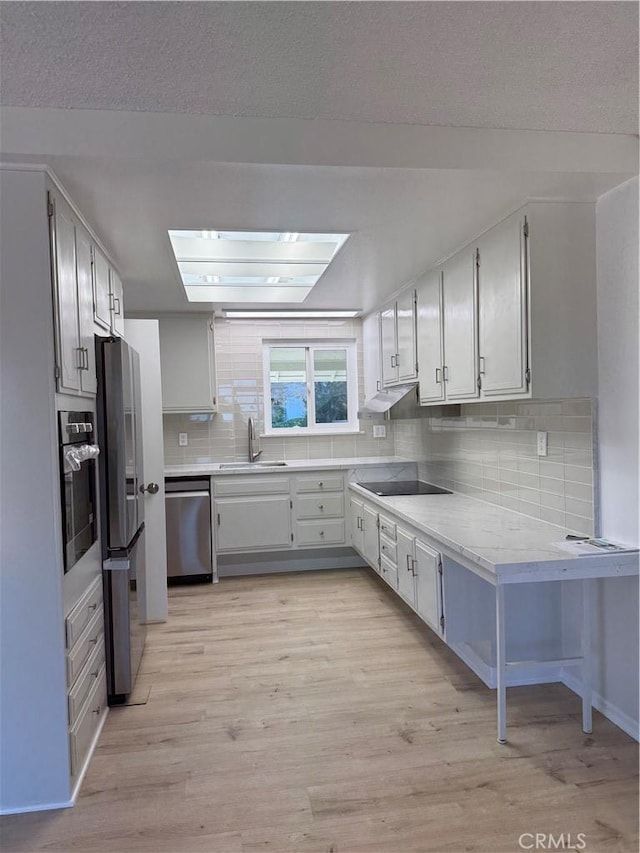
x,y
68,350
101,292
187,363
406,566
371,355
502,306
357,526
430,338
406,326
117,304
88,381
388,346
250,523
371,545
428,585
460,324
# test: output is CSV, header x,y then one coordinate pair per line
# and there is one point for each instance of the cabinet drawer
x,y
320,483
251,485
389,550
90,673
81,734
320,506
79,654
320,532
388,572
388,527
84,610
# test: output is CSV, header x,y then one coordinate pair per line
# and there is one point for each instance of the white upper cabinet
x,y
371,355
117,304
73,302
430,337
101,291
460,369
398,340
187,357
502,308
84,273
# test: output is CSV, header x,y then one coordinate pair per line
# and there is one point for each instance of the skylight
x,y
252,266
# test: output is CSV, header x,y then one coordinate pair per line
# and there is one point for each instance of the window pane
x,y
330,386
288,376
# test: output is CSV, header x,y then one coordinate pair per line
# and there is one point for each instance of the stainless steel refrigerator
x,y
121,512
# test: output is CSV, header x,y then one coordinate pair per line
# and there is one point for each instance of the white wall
x,y
617,600
33,733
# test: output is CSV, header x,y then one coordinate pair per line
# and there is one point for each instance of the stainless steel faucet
x,y
253,455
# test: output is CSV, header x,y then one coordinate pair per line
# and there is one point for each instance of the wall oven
x,y
78,484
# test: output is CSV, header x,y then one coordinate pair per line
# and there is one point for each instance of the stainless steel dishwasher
x,y
188,508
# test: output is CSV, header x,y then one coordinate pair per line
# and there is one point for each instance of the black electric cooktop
x,y
394,488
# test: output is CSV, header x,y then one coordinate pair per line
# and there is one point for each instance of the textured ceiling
x,y
534,65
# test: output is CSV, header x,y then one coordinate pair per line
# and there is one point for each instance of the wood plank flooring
x,y
312,712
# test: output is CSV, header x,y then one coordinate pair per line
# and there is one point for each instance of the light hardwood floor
x,y
313,712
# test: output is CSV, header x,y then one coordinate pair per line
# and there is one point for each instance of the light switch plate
x,y
542,443
183,439
380,431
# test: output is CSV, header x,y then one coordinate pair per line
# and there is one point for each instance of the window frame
x,y
310,346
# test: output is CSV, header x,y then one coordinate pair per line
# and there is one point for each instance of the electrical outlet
x,y
183,439
542,443
380,431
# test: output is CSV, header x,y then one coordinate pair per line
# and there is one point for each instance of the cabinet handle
x,y
408,562
116,302
97,710
93,606
397,359
378,386
96,673
321,485
93,641
218,519
322,533
445,373
481,365
393,359
438,377
321,507
413,567
80,358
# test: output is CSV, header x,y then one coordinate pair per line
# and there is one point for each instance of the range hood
x,y
384,400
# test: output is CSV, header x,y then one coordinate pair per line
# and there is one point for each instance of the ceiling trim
x,y
36,132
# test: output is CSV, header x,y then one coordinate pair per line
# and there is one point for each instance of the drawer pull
x,y
94,640
96,673
321,508
97,710
322,533
321,485
93,606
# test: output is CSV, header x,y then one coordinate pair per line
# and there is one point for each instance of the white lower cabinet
x,y
251,522
356,514
370,545
428,588
407,566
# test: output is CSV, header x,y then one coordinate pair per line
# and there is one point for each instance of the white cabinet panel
x,y
502,301
406,566
430,338
371,355
406,331
371,546
357,527
428,585
101,292
66,298
460,324
319,533
187,358
117,304
84,269
247,523
388,346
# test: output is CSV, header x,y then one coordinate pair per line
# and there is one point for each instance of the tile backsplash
x,y
223,437
488,451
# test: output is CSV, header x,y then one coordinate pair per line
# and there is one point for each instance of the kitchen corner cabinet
x,y
398,340
513,315
73,300
187,359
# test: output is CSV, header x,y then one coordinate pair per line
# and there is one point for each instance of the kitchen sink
x,y
250,466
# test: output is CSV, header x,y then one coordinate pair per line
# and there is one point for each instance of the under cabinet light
x,y
287,315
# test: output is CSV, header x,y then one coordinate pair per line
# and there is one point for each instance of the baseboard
x,y
515,677
606,708
294,563
47,807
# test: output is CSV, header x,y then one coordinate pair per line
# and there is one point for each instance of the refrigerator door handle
x,y
116,564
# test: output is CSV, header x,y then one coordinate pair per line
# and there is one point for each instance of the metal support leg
x,y
587,604
501,665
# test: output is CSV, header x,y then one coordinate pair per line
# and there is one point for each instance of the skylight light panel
x,y
256,266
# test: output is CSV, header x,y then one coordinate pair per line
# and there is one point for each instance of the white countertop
x,y
507,546
213,468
